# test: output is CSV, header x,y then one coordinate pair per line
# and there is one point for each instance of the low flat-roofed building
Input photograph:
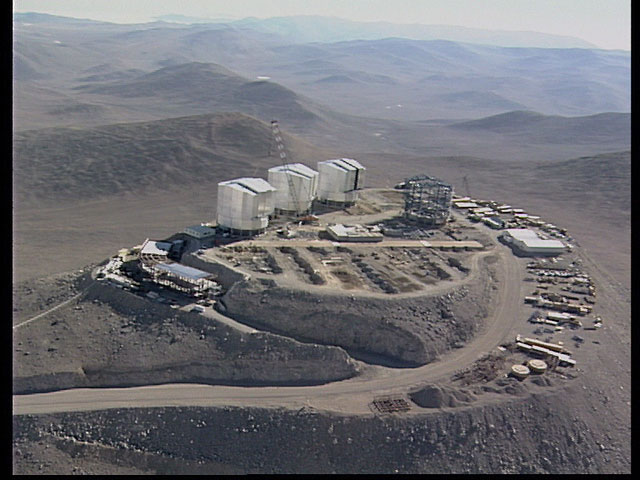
x,y
183,278
353,233
153,251
527,242
483,211
494,222
199,231
465,204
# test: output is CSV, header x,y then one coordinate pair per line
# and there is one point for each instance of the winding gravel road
x,y
350,396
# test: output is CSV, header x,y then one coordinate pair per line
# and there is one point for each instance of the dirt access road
x,y
350,396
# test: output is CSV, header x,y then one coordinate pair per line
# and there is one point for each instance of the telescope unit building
x,y
339,181
244,205
304,181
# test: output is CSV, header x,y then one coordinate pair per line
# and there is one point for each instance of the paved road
x,y
348,396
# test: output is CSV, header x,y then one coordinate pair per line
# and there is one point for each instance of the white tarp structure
x,y
305,184
339,180
244,204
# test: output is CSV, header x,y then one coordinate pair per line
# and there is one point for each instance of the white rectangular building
x,y
199,231
244,204
527,242
305,184
354,233
339,180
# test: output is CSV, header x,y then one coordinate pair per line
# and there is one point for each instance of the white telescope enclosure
x,y
245,204
304,181
339,180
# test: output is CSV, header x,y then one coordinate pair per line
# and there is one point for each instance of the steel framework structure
x,y
427,200
275,128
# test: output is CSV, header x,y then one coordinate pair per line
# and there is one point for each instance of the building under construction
x,y
427,201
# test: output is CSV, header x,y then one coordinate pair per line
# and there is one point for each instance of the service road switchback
x,y
350,396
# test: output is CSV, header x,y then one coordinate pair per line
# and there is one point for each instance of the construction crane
x,y
466,186
275,128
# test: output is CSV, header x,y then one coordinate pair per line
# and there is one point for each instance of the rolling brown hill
x,y
197,88
67,164
602,127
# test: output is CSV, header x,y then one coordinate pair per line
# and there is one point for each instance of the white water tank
x,y
244,204
339,180
305,183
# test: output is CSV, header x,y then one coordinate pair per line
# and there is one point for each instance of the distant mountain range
x,y
388,95
315,28
309,28
391,78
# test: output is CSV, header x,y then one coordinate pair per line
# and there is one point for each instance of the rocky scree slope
x,y
496,438
112,338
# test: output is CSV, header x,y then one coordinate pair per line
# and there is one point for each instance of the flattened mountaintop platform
x,y
471,244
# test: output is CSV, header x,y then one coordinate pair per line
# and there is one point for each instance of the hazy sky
x,y
605,23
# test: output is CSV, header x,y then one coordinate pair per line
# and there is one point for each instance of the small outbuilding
x,y
354,233
153,251
199,231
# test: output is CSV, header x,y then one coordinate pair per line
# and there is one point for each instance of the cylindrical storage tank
x,y
244,204
305,183
339,180
537,366
520,371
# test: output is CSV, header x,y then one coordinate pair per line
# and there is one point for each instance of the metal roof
x,y
183,271
152,247
531,239
201,229
250,185
522,233
343,164
296,169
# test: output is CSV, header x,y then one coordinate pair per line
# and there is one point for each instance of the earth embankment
x,y
411,331
541,433
112,338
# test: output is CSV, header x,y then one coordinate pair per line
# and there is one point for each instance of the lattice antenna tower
x,y
275,128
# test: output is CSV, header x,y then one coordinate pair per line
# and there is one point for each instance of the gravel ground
x,y
408,331
113,338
